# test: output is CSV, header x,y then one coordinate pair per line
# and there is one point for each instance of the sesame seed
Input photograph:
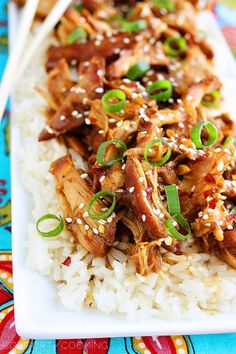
x,y
120,190
126,40
109,220
99,90
79,221
131,189
112,120
161,216
100,72
81,205
85,214
86,227
208,224
85,100
140,179
220,222
230,227
174,223
156,211
119,124
62,117
144,193
87,121
123,166
95,230
101,179
189,98
69,220
144,217
74,113
218,149
220,166
205,217
84,175
100,131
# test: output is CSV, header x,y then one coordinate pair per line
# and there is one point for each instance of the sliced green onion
x,y
175,46
108,101
165,90
164,4
134,26
227,141
78,35
195,134
54,232
130,12
165,158
211,99
172,199
233,211
108,211
116,19
181,221
102,149
137,71
78,7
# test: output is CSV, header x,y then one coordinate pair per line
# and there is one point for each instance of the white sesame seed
x,y
86,227
99,90
100,72
131,189
220,166
144,217
85,100
161,216
95,230
123,166
230,227
85,214
74,113
144,193
156,211
62,117
100,131
119,124
205,217
208,224
87,121
120,190
101,179
218,149
174,223
81,205
109,220
112,120
84,175
79,221
140,179
69,220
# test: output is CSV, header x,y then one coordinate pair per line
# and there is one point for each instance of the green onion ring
x,y
164,4
134,26
195,134
102,149
165,158
160,85
179,41
54,232
79,34
215,98
183,222
113,107
107,212
172,199
138,70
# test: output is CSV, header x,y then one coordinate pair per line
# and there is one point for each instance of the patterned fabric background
x,y
10,342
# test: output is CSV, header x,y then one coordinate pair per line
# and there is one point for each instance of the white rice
x,y
187,285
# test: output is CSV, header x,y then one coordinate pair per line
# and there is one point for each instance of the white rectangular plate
x,y
37,313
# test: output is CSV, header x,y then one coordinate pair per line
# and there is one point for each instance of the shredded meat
x,y
175,89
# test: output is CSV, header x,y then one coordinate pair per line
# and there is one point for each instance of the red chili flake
x,y
210,178
2,181
230,217
208,192
67,261
3,191
212,203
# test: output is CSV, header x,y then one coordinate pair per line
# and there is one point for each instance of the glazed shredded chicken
x,y
167,101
